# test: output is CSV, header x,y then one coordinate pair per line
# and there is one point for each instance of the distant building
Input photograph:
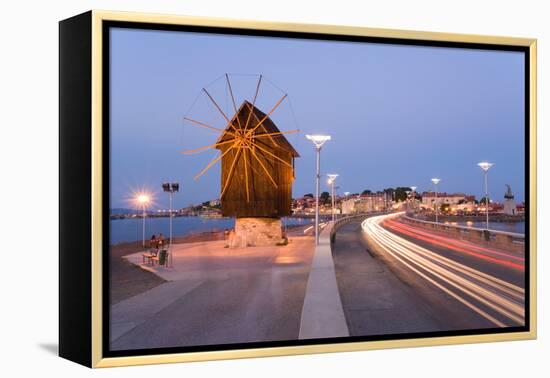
x,y
520,208
428,199
348,206
510,207
365,203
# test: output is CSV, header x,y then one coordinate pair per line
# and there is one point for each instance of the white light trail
x,y
467,285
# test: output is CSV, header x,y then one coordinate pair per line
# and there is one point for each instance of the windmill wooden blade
x,y
231,172
187,152
253,102
273,155
264,168
274,134
199,123
216,105
233,99
249,132
215,161
246,175
219,109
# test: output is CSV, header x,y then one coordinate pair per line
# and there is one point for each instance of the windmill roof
x,y
268,126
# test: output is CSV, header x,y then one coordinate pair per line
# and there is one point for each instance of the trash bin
x,y
162,257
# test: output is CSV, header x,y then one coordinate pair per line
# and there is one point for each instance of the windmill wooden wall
x,y
263,199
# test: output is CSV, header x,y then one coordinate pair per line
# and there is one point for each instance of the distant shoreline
x,y
190,237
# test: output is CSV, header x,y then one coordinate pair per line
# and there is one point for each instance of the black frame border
x,y
107,25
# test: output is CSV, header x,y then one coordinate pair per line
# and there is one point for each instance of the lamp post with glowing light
x,y
318,141
171,188
331,179
143,200
485,166
436,181
346,196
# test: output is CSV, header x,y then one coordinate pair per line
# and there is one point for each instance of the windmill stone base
x,y
256,232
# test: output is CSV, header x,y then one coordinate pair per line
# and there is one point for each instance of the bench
x,y
147,257
161,258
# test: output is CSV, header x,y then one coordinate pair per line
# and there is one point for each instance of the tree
x,y
324,197
310,195
366,191
483,200
401,193
389,193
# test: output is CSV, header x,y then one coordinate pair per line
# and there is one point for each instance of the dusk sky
x,y
398,115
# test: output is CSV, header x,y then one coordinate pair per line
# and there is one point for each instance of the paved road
x,y
217,295
486,280
381,295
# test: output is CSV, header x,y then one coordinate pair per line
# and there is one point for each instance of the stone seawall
x,y
256,232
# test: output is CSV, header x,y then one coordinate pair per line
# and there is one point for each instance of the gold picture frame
x,y
94,22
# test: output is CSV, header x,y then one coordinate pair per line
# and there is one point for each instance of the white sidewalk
x,y
323,314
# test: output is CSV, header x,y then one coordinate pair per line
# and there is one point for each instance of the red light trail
x,y
488,254
495,299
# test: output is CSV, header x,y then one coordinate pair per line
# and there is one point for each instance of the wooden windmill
x,y
257,161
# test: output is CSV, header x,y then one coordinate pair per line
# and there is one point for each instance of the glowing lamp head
x,y
346,194
436,180
413,188
485,165
332,177
318,140
143,199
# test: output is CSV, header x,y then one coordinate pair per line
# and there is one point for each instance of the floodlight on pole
x,y
485,166
318,141
331,180
436,181
171,188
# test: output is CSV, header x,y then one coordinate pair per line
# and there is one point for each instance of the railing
x,y
503,239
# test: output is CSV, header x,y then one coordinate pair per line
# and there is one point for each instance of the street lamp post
x,y
346,195
436,181
143,200
318,141
485,166
171,188
331,179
